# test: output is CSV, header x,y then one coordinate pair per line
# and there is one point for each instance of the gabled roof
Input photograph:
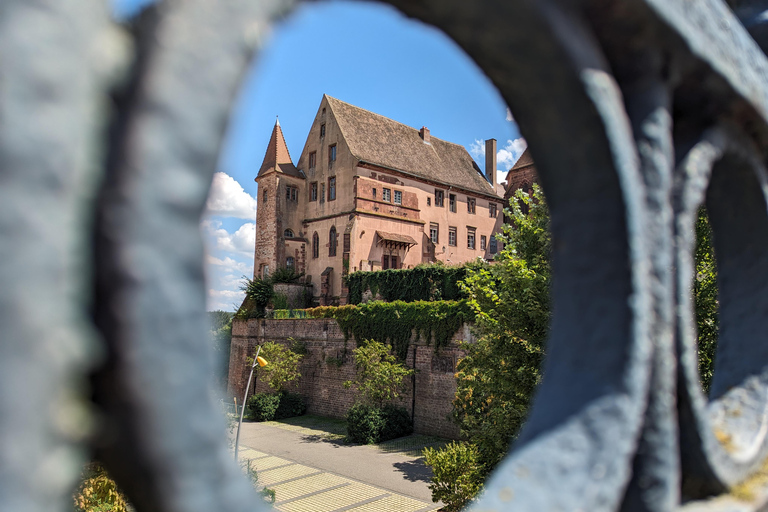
x,y
525,160
377,140
277,157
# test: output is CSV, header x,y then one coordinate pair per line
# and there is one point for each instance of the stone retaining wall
x,y
327,365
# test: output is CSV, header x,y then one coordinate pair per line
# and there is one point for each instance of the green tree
x,y
282,365
457,475
220,336
379,377
496,379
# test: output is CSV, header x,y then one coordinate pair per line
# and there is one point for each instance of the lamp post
x,y
261,362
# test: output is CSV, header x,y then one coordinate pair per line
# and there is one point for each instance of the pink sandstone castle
x,y
369,193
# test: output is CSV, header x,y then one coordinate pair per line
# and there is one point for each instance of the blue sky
x,y
363,53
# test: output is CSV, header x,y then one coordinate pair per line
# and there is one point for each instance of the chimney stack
x,y
424,134
490,161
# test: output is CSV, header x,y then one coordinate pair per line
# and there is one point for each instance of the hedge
x,y
423,282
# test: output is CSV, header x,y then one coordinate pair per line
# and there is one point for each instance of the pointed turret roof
x,y
277,157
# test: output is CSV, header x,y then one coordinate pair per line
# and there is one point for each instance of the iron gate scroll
x,y
637,112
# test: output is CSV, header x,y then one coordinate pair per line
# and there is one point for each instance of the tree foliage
x,y
396,323
282,365
457,474
705,298
510,297
425,282
378,374
220,336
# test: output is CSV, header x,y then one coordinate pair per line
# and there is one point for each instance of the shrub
x,y
263,406
365,424
98,491
282,365
275,406
369,424
285,275
291,404
458,476
379,377
280,301
426,282
397,422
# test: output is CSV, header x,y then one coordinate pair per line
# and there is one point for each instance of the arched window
x,y
332,242
315,246
289,262
288,233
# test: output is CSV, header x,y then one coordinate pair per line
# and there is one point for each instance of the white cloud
x,y
508,155
228,199
228,264
226,300
510,117
242,241
505,157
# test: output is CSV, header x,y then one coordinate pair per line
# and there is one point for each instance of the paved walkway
x,y
311,469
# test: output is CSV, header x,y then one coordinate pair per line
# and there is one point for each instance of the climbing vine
x,y
396,323
423,282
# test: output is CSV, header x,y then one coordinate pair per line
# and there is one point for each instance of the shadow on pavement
x,y
414,471
332,439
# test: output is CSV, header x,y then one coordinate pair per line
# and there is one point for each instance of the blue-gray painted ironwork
x,y
636,111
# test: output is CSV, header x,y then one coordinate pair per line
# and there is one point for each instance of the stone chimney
x,y
490,161
424,134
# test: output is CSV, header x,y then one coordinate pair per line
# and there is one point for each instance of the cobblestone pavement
x,y
310,468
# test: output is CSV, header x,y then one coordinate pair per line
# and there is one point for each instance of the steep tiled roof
x,y
277,157
381,141
524,161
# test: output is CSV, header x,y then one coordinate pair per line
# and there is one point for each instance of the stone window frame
x,y
333,240
492,210
471,205
331,188
315,245
373,192
439,198
331,154
386,195
313,191
493,246
312,160
429,201
452,236
322,130
265,196
290,262
434,237
452,200
483,242
288,233
322,193
398,197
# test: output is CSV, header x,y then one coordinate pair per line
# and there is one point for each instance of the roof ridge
x,y
389,119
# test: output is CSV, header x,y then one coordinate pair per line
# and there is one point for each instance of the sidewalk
x,y
311,470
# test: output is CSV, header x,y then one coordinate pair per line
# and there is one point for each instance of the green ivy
x,y
394,323
423,282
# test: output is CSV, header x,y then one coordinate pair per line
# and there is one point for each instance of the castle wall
x,y
328,364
